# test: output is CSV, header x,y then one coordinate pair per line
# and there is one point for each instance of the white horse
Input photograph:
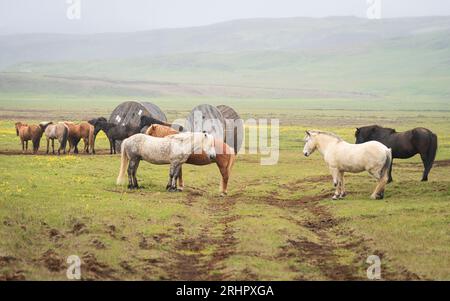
x,y
341,156
173,150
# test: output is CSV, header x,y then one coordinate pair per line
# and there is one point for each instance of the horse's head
x,y
18,125
208,145
94,122
310,143
43,125
368,133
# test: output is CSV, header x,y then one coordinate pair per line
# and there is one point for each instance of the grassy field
x,y
277,223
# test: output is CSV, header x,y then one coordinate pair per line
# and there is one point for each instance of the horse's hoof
x,y
425,180
223,194
390,181
335,197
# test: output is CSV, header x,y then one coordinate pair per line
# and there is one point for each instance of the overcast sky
x,y
26,16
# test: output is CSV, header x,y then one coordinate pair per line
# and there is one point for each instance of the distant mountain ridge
x,y
286,34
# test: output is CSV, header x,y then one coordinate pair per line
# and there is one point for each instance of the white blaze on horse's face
x,y
208,146
310,145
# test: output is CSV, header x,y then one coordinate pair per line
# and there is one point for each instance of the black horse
x,y
114,132
404,145
147,121
96,130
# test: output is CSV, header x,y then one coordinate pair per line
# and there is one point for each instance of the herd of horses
x,y
160,143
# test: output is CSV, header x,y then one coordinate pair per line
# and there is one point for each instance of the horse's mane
x,y
386,129
328,134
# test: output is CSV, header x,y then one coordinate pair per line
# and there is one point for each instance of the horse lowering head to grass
x,y
30,132
174,150
404,145
114,132
58,131
341,157
147,121
225,156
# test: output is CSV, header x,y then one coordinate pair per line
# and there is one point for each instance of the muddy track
x,y
189,260
332,235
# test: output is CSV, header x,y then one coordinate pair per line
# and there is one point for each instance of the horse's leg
x,y
136,165
180,179
390,171
427,164
378,193
53,146
335,174
224,182
132,170
26,144
174,173
342,193
48,146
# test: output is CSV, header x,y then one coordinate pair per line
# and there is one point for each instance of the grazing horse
x,y
341,156
225,156
30,132
92,122
173,150
114,132
147,121
80,131
58,131
404,145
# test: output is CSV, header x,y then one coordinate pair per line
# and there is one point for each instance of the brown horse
x,y
30,132
80,131
225,156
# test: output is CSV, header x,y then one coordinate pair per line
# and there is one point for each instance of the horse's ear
x,y
308,133
357,130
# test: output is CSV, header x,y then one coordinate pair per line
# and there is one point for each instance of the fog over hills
x,y
290,34
290,57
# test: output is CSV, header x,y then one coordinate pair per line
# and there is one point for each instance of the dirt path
x,y
332,236
189,259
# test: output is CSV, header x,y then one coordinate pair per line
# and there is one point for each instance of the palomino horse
x,y
225,156
404,145
30,132
80,131
341,156
58,131
173,150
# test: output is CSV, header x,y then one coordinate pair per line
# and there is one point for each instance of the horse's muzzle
x,y
212,157
306,154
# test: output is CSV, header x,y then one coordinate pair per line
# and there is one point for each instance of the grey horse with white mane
x,y
174,150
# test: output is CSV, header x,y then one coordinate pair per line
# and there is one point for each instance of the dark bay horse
x,y
404,145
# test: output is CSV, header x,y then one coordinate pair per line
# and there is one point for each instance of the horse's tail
x,y
233,157
387,165
65,137
122,179
432,149
91,138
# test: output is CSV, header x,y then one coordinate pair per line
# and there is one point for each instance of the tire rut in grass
x,y
189,259
332,236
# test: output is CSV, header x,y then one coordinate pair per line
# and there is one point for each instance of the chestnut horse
x,y
80,131
30,132
225,156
